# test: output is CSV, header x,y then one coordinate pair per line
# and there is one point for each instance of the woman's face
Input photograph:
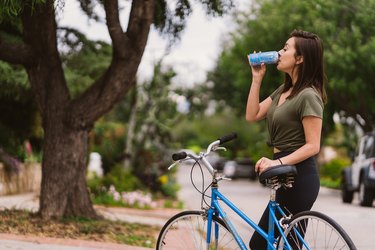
x,y
287,60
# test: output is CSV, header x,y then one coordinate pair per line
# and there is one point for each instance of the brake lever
x,y
220,148
173,165
224,178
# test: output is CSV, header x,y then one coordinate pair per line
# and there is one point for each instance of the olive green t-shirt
x,y
285,121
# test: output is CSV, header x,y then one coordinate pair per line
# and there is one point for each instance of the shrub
x,y
170,189
122,180
112,197
330,172
107,138
121,188
136,199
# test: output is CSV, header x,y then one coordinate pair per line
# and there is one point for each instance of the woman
x,y
294,115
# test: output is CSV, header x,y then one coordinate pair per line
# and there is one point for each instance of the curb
x,y
154,217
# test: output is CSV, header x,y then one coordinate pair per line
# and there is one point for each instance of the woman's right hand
x,y
258,72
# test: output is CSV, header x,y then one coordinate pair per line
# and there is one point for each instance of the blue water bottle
x,y
269,57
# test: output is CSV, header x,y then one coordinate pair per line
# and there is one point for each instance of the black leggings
x,y
300,197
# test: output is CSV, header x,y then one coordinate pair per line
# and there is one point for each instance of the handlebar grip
x,y
227,138
179,156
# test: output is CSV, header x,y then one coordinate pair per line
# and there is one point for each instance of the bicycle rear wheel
x,y
188,230
318,232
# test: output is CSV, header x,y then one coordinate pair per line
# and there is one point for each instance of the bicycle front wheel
x,y
188,230
313,230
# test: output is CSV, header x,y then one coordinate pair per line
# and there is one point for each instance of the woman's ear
x,y
299,59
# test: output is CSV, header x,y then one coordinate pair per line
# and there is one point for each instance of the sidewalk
x,y
30,201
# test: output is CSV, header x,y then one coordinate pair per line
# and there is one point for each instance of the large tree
x,y
347,30
67,120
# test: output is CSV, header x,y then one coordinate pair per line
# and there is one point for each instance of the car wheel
x,y
365,195
346,194
253,175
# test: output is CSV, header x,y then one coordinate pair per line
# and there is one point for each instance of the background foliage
x,y
349,44
147,119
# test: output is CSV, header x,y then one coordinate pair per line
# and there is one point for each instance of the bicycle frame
x,y
295,227
216,209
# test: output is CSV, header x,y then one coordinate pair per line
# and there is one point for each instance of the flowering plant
x,y
131,199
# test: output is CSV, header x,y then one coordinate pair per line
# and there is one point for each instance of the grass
x,y
27,223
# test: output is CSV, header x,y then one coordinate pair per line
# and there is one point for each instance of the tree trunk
x,y
63,189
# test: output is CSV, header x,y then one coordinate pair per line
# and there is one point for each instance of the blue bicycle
x,y
210,228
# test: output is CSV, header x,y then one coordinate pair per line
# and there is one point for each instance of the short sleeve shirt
x,y
285,121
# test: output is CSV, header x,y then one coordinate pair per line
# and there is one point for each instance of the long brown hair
x,y
311,70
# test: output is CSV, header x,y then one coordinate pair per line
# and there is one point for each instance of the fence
x,y
25,179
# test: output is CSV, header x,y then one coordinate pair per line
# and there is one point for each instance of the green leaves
x,y
12,8
84,60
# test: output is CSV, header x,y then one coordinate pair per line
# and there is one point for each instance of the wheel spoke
x,y
315,231
188,230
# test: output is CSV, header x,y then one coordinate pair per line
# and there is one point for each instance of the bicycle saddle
x,y
279,171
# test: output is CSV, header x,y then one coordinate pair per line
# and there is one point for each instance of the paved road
x,y
251,197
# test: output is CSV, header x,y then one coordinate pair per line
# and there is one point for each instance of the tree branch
x,y
16,53
46,75
114,28
140,20
128,49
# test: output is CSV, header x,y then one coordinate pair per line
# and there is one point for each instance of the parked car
x,y
360,176
240,168
216,161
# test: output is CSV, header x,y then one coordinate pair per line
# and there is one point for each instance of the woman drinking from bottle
x,y
294,113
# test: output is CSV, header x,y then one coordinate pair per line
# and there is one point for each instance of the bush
x,y
107,138
170,189
121,188
331,171
117,189
123,181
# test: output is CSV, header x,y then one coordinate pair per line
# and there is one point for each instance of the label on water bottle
x,y
270,57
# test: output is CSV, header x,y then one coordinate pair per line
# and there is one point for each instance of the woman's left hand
x,y
264,163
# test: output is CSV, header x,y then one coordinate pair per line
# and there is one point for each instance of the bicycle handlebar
x,y
182,155
227,138
179,156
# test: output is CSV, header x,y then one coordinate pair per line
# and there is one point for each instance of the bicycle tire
x,y
188,230
319,232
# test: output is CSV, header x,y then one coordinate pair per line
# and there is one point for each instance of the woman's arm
x,y
256,111
312,127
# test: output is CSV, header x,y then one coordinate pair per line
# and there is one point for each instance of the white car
x,y
360,176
